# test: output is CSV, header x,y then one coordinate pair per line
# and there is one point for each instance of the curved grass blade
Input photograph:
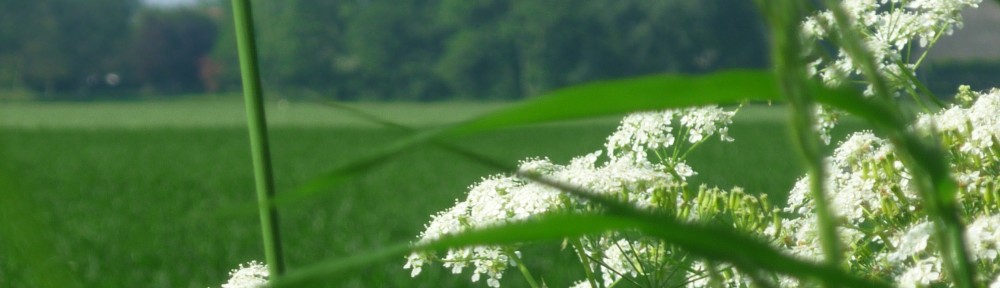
x,y
628,95
577,102
707,241
602,99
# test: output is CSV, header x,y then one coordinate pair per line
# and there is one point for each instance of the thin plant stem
x,y
791,74
243,17
523,269
587,269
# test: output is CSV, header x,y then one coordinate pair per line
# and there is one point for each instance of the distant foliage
x,y
411,50
446,49
63,46
170,50
943,76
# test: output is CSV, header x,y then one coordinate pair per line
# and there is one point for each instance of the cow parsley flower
x,y
881,224
826,120
626,173
703,122
922,274
888,28
983,238
911,243
622,259
253,274
640,132
996,282
972,130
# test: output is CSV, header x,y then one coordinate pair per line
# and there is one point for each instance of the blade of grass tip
x,y
363,115
911,76
257,124
614,97
577,102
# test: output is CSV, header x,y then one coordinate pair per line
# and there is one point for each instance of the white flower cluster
x,y
627,174
974,128
253,274
888,28
642,132
624,258
881,221
826,120
881,224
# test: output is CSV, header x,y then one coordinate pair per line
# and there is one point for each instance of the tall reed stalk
x,y
243,17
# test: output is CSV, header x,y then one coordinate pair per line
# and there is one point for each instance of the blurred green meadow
x,y
160,194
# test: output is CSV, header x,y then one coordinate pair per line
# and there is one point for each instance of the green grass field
x,y
160,194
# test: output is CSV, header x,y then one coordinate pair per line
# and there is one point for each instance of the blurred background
x,y
363,50
414,50
124,160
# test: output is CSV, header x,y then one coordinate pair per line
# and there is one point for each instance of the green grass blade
x,y
710,242
264,180
601,99
629,95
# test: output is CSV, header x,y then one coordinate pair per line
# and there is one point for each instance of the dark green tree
x,y
520,48
170,49
62,46
490,49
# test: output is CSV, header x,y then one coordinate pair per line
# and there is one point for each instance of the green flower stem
x,y
791,74
523,269
578,246
243,17
851,41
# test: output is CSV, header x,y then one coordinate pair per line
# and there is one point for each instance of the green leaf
x,y
716,243
633,94
850,100
602,99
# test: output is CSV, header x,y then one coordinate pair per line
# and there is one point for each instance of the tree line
x,y
411,50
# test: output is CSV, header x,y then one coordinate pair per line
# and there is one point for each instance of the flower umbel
x,y
253,274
